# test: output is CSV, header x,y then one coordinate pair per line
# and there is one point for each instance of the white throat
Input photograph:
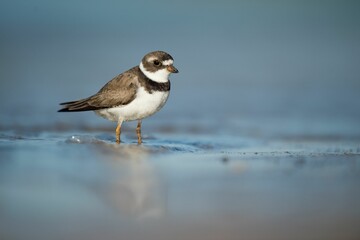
x,y
160,76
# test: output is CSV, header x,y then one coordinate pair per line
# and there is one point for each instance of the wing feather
x,y
119,91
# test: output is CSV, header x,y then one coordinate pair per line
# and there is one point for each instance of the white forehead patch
x,y
167,62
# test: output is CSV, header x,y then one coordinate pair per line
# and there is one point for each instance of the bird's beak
x,y
172,69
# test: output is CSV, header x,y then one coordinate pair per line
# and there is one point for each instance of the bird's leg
x,y
118,131
138,132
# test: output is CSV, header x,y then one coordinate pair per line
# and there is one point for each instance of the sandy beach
x,y
177,186
260,137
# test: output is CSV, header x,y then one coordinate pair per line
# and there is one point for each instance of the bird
x,y
132,95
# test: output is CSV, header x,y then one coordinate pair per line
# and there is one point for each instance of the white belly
x,y
144,105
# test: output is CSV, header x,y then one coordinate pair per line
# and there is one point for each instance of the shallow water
x,y
259,139
61,185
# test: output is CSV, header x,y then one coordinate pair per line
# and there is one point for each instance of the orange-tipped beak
x,y
172,69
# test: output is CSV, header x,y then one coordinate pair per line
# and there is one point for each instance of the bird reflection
x,y
133,187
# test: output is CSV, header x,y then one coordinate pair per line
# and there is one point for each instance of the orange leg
x,y
118,131
138,132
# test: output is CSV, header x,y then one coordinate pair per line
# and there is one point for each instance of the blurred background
x,y
258,140
266,65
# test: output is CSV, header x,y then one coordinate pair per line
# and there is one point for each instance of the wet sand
x,y
66,185
259,139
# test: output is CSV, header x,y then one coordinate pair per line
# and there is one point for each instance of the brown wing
x,y
120,90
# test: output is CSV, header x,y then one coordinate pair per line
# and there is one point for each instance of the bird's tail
x,y
77,106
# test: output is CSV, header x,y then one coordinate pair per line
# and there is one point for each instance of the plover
x,y
132,95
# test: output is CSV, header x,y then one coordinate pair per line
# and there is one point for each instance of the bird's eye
x,y
157,63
